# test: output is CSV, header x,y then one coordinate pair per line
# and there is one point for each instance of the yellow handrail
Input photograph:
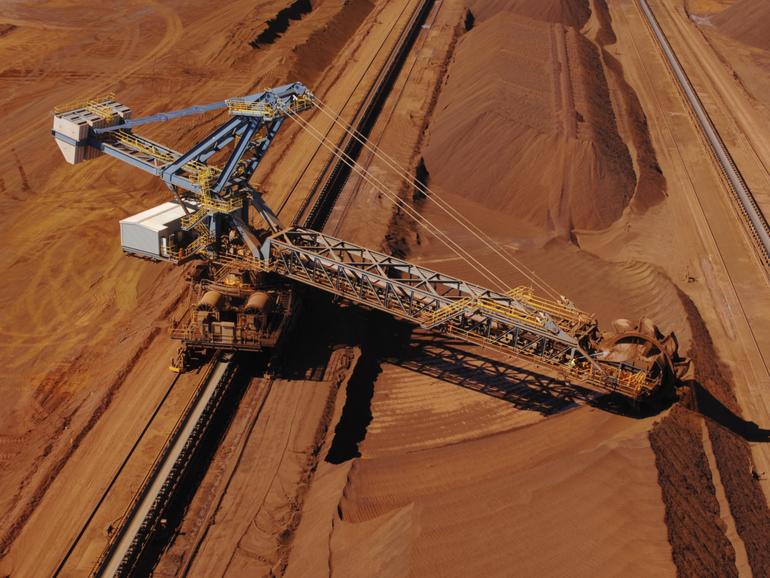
x,y
227,205
188,220
243,262
208,204
442,314
527,295
563,316
268,110
632,382
206,177
76,104
144,145
204,174
488,305
203,240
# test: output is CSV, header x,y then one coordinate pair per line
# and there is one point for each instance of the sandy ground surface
x,y
298,159
422,463
572,147
423,456
362,212
248,516
418,509
77,316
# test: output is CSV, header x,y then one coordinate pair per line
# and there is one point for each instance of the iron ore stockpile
x,y
385,288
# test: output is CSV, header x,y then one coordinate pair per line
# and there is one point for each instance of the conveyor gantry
x,y
516,323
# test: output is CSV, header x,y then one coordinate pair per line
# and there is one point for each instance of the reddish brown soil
x,y
413,418
313,56
651,184
77,315
426,495
730,435
402,230
566,12
540,130
747,21
441,468
542,138
605,35
695,529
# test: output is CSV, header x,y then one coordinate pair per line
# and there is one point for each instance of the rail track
x,y
756,222
733,120
255,411
65,559
288,195
349,199
144,514
733,288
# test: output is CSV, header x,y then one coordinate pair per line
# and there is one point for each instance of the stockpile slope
x,y
566,12
525,126
576,491
747,21
451,482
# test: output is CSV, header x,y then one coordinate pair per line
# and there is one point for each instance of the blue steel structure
x,y
550,333
253,123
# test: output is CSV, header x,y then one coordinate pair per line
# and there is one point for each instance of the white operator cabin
x,y
148,233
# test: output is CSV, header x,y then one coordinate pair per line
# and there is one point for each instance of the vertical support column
x,y
214,229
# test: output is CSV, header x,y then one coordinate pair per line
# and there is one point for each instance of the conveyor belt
x,y
756,220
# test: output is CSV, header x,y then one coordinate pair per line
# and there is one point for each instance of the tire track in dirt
x,y
18,523
108,392
173,32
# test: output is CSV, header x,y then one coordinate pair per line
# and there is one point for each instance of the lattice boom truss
x,y
547,332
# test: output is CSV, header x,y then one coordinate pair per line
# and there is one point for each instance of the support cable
x,y
479,267
444,205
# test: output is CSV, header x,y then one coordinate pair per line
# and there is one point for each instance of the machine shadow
x,y
710,407
454,361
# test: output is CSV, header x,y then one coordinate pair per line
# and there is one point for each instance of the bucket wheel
x,y
656,355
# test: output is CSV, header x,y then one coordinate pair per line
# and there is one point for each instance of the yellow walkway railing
x,y
267,110
97,101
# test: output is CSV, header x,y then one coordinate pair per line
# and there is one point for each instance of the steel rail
x,y
144,511
255,412
113,480
756,220
349,200
285,199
